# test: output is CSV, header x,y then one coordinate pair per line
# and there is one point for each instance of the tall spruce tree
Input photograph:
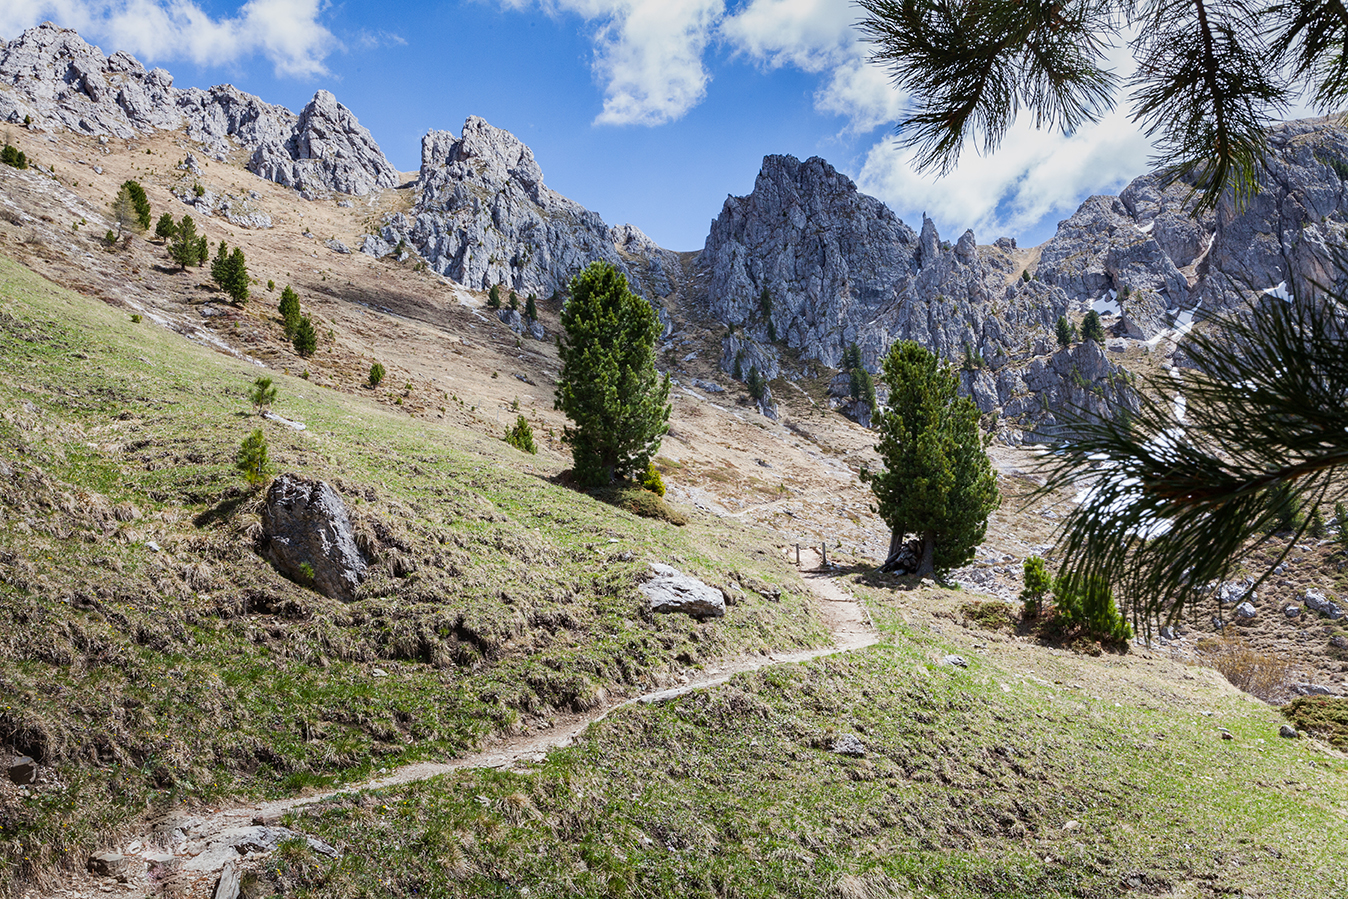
x,y
1091,328
608,385
937,482
185,247
289,307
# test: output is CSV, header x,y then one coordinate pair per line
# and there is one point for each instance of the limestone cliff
x,y
55,79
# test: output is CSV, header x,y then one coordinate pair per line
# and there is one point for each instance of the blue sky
x,y
647,111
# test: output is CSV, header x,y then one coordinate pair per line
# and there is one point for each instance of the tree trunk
x,y
896,542
927,566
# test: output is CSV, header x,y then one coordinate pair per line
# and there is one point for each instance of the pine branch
x,y
1178,501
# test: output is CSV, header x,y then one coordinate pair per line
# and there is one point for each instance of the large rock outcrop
x,y
58,80
485,217
307,536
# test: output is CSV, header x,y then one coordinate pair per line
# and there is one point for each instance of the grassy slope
x,y
143,677
985,781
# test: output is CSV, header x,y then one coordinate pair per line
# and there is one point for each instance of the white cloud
x,y
1033,175
286,32
811,35
648,53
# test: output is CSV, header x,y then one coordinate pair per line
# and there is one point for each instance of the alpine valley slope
x,y
157,668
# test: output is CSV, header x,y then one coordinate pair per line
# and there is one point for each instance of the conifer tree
x,y
289,308
306,338
1091,329
494,297
937,482
139,201
252,459
608,385
124,211
185,247
1067,332
531,308
166,227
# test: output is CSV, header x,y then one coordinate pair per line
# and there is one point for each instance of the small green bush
x,y
1087,604
198,190
652,481
376,374
252,459
1324,716
640,501
1037,585
521,436
14,157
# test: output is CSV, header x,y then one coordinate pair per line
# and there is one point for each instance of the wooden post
x,y
797,555
823,554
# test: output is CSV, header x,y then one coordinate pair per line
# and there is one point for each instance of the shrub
x,y
13,156
271,285
1025,276
166,227
652,481
1037,585
289,307
252,459
1258,674
494,297
262,394
521,436
1087,604
640,501
376,374
110,238
306,338
198,190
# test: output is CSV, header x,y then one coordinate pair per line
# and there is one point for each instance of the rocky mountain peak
x,y
61,81
485,218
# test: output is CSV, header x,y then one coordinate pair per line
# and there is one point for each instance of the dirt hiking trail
x,y
193,853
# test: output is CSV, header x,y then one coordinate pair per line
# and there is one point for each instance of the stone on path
x,y
670,590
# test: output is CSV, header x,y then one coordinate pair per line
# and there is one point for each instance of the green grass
x,y
975,783
146,677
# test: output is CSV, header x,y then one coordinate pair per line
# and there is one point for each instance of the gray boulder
x,y
375,246
669,590
849,744
108,864
1288,731
305,522
1317,602
1246,610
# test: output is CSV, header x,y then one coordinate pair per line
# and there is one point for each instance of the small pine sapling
x,y
652,481
494,297
521,436
1037,585
262,394
376,374
252,459
531,308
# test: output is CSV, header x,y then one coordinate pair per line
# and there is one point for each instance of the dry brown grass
x,y
1269,677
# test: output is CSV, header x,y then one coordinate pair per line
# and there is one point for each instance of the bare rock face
x,y
61,81
486,218
305,523
326,149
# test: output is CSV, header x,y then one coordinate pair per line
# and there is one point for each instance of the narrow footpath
x,y
192,854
